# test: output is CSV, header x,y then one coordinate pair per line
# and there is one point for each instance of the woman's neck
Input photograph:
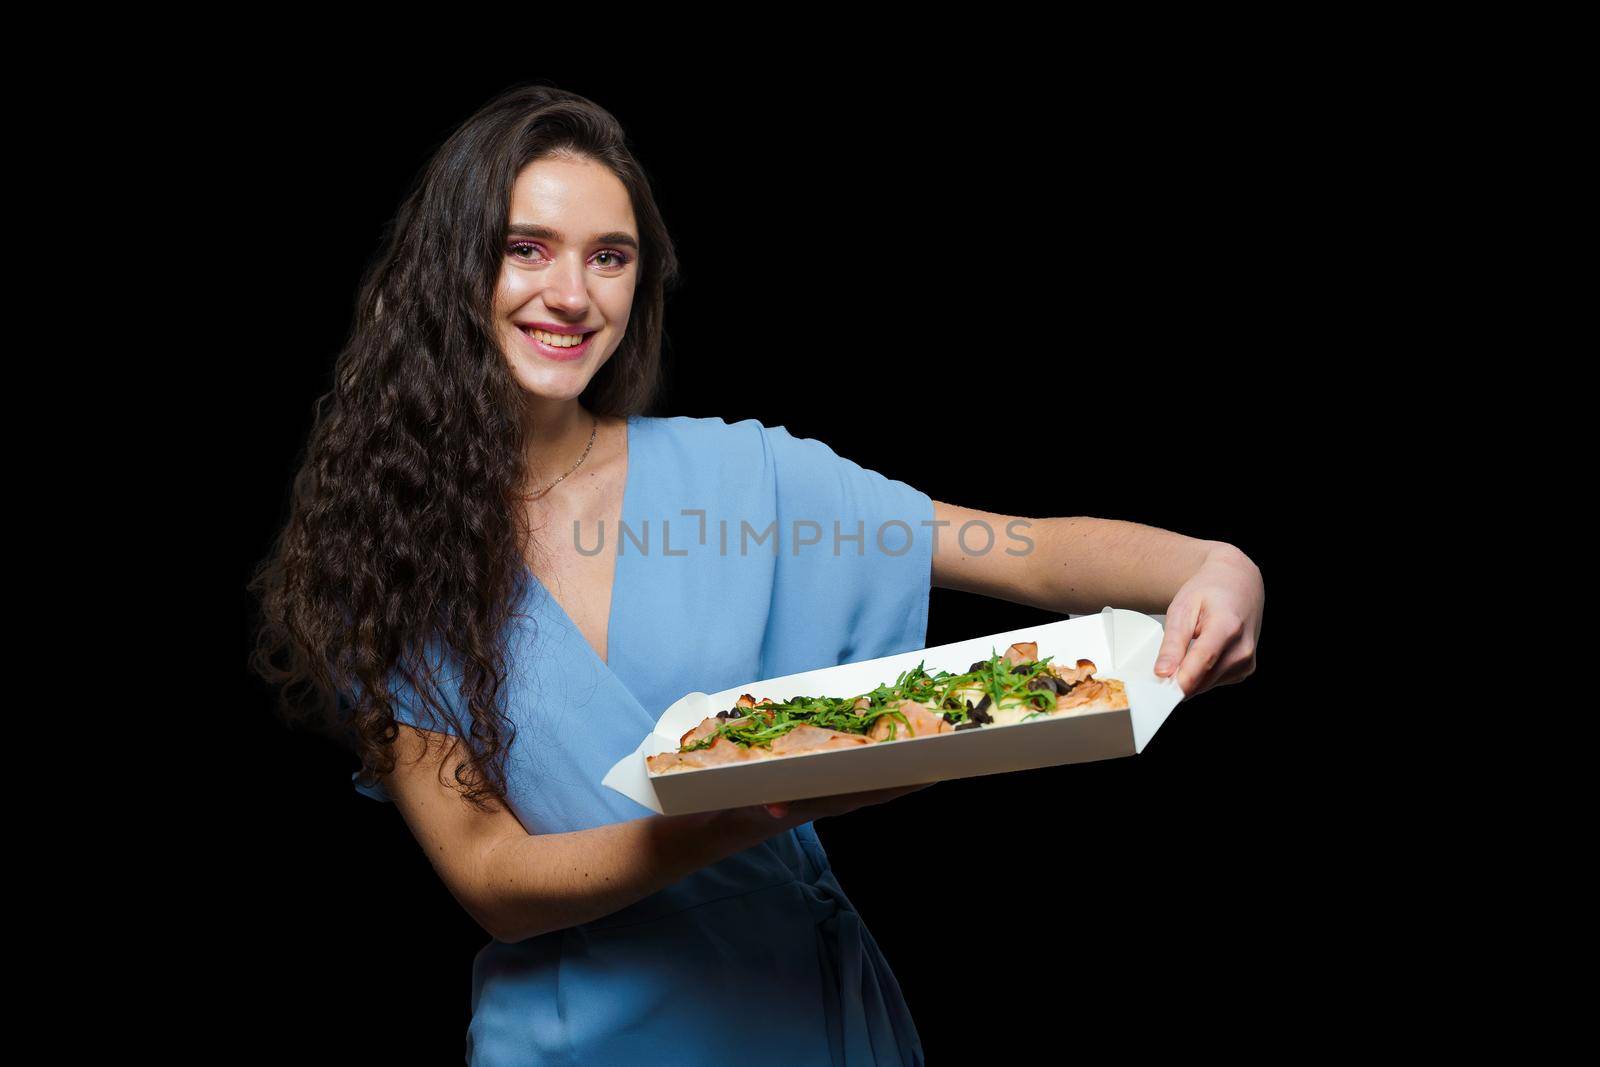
x,y
557,432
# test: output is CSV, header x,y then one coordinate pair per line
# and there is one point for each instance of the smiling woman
x,y
423,605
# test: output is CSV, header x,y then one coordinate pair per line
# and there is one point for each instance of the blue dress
x,y
759,959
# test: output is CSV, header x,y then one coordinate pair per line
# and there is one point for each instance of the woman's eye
x,y
617,259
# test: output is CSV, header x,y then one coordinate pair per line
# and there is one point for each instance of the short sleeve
x,y
855,559
410,709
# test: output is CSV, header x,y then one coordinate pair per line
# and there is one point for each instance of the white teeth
x,y
557,340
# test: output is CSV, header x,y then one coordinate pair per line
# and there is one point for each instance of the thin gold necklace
x,y
592,432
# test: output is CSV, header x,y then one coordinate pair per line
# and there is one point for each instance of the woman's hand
x,y
1220,609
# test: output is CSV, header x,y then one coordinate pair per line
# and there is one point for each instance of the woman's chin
x,y
550,380
553,380
564,387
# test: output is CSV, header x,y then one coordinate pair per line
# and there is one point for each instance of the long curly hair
x,y
404,542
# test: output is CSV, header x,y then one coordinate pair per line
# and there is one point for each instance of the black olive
x,y
978,666
1042,683
980,713
969,726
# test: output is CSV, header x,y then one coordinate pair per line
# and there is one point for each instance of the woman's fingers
x,y
1196,672
1219,610
1180,629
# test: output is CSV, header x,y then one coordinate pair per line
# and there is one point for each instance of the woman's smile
x,y
562,346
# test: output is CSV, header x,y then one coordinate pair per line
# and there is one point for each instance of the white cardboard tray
x,y
1123,645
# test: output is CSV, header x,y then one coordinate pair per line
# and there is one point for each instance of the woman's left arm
x,y
1211,593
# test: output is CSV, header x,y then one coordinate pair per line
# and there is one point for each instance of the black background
x,y
1149,250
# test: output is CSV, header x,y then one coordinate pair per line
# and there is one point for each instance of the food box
x,y
1123,645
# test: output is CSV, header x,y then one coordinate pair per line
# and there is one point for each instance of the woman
x,y
425,592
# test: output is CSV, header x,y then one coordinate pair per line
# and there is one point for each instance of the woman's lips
x,y
563,355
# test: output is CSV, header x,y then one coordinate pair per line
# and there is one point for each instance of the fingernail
x,y
1163,666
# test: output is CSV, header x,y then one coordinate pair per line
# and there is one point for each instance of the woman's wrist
x,y
1229,555
705,837
742,828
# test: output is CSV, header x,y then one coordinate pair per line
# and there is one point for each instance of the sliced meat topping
x,y
808,738
1082,693
719,752
1022,652
1073,675
707,726
921,721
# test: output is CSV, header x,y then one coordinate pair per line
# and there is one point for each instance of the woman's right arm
x,y
518,885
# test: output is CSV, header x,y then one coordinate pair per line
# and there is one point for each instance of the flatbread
x,y
1077,692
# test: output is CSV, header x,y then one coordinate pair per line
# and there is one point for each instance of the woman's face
x,y
570,263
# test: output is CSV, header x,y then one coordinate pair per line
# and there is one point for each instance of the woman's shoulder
x,y
706,432
714,429
743,448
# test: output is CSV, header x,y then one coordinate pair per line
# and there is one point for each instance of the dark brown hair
x,y
403,538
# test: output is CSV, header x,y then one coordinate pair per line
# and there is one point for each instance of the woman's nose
x,y
568,288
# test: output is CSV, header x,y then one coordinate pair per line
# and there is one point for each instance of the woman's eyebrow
x,y
615,237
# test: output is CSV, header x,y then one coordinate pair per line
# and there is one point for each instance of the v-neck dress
x,y
744,553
